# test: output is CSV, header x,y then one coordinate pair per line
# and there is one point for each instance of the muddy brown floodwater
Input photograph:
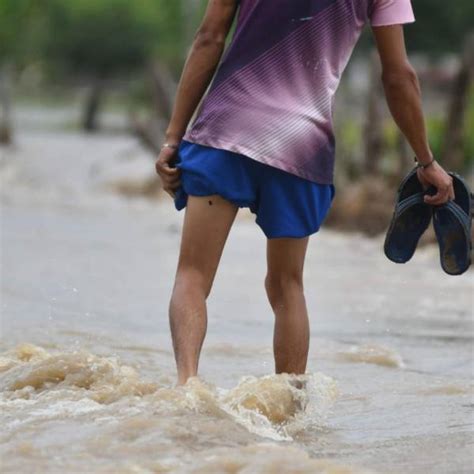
x,y
87,377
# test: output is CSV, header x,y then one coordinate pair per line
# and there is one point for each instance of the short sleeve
x,y
391,12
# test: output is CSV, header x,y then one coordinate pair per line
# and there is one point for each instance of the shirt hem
x,y
218,142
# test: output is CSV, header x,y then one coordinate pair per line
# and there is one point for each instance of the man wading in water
x,y
263,138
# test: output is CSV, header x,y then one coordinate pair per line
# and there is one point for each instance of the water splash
x,y
278,406
28,370
372,354
75,383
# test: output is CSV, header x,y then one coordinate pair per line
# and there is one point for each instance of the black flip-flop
x,y
410,219
452,223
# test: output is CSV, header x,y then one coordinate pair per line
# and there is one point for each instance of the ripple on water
x,y
264,458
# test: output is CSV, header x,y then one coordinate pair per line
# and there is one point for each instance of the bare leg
x,y
207,224
284,285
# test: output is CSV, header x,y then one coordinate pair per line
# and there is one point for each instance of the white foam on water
x,y
278,406
372,354
78,373
78,383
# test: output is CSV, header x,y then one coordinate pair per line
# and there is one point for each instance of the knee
x,y
281,287
190,280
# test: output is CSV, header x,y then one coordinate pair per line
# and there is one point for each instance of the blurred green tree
x,y
17,45
97,40
440,26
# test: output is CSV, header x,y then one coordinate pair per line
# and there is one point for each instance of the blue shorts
x,y
285,204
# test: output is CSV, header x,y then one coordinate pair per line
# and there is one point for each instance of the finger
x,y
164,168
452,194
172,185
163,163
432,199
438,198
443,199
170,180
175,184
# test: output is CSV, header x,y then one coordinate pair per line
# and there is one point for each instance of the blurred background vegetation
x,y
113,65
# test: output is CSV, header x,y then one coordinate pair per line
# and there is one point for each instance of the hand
x,y
170,176
435,175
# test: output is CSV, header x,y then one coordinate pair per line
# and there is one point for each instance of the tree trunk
x,y
373,130
162,91
94,99
453,153
6,131
148,132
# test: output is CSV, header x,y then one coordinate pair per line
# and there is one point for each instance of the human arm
x,y
403,94
199,68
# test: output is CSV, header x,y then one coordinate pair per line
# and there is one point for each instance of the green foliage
x,y
440,26
101,38
436,127
172,25
97,37
20,24
109,37
469,150
11,12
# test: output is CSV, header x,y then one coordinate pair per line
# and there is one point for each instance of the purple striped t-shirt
x,y
272,96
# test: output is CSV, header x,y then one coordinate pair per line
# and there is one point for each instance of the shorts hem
x,y
289,235
182,200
